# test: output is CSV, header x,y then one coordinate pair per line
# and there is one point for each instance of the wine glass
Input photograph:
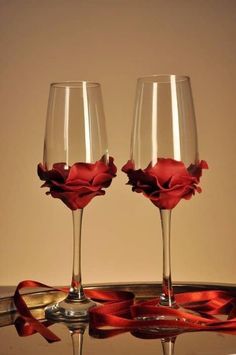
x,y
164,164
76,167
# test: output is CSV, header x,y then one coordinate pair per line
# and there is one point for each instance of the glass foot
x,y
70,311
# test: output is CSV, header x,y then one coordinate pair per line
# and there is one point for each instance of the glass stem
x,y
167,295
77,342
76,290
168,345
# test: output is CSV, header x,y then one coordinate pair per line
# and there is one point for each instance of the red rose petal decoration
x,y
167,182
165,169
77,185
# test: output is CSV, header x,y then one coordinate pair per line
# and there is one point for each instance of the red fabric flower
x,y
167,182
77,185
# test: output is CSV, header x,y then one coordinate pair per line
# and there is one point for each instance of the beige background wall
x,y
114,42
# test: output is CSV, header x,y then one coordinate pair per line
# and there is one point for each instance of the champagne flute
x,y
76,166
164,163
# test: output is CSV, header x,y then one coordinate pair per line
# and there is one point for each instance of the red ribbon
x,y
119,312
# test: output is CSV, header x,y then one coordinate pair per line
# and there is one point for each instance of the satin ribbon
x,y
119,313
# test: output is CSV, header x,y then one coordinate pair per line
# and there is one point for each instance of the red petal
x,y
74,200
88,172
128,166
77,182
166,202
61,168
112,169
182,180
57,173
203,164
164,169
83,171
103,180
169,199
196,170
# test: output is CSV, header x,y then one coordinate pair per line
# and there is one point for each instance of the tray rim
x,y
37,299
136,285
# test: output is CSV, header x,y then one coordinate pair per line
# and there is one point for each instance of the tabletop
x,y
79,341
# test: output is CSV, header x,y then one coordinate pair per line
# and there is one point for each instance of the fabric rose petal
x,y
78,184
167,182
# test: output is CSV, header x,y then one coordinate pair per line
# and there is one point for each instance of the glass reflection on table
x,y
78,342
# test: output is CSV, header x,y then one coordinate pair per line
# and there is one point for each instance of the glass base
x,y
70,311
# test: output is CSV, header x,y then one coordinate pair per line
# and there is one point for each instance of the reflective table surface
x,y
78,341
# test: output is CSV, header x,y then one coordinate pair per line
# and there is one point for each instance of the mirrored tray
x,y
197,343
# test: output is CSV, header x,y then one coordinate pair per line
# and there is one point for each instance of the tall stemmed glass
x,y
76,166
164,163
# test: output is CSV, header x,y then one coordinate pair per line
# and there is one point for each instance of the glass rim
x,y
163,78
74,84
